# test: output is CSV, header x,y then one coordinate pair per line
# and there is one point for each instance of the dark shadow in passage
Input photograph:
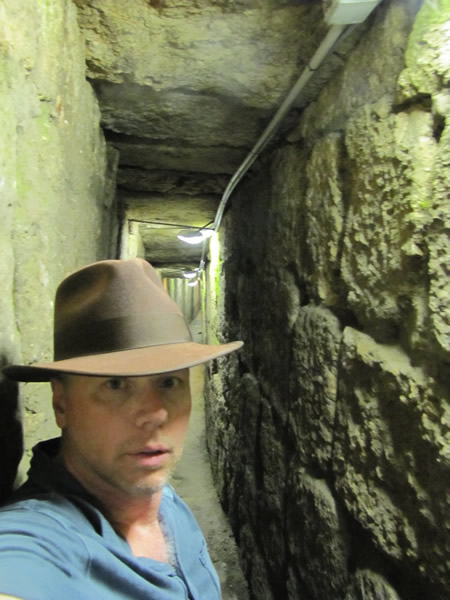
x,y
11,433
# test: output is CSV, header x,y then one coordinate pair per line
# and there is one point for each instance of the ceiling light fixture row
x,y
343,16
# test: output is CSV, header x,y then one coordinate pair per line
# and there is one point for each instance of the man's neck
x,y
134,515
127,512
137,520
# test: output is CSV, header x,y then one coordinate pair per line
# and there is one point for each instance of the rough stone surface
x,y
367,585
170,182
335,260
315,350
394,478
55,179
324,209
393,158
315,536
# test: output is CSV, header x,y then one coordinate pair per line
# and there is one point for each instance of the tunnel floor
x,y
193,482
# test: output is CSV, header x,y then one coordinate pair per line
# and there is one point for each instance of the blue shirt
x,y
56,544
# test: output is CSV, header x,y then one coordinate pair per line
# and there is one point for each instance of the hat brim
x,y
150,360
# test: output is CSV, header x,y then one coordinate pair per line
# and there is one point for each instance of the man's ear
x,y
59,402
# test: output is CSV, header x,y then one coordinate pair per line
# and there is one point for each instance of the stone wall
x,y
56,196
328,432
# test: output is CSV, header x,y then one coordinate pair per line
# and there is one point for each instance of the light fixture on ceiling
x,y
194,275
196,236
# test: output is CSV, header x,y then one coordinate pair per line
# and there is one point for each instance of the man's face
x,y
122,433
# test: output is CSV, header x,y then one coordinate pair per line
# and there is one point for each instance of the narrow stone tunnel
x,y
126,123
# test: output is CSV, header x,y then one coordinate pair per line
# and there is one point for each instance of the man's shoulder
x,y
48,512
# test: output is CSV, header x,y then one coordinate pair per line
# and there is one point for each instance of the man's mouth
x,y
152,456
151,452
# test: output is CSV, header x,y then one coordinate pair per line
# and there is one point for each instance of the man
x,y
97,518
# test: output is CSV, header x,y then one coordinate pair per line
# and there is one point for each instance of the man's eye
x,y
169,382
116,383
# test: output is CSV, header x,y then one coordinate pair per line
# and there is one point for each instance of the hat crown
x,y
114,305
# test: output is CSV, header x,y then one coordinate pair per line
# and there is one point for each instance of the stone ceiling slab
x,y
193,211
170,182
163,246
190,118
135,152
186,88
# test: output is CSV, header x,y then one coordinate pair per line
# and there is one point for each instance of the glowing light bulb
x,y
195,236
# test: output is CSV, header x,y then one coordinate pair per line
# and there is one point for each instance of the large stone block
x,y
177,46
325,213
438,241
427,68
57,177
316,537
315,350
287,211
371,70
273,462
255,568
391,455
384,251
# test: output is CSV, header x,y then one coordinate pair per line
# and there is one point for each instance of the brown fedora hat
x,y
114,317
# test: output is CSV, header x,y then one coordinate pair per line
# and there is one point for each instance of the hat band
x,y
122,333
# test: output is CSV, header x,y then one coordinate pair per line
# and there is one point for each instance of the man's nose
x,y
151,409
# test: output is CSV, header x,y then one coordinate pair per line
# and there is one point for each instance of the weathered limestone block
x,y
383,263
273,464
316,340
57,175
165,115
254,566
244,457
286,213
217,47
427,73
391,454
263,283
316,537
324,210
170,182
196,80
367,585
427,66
370,72
439,243
137,152
194,210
